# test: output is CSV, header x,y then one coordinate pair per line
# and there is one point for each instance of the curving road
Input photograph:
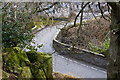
x,y
62,64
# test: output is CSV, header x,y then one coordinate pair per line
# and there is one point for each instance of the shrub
x,y
14,32
16,27
104,46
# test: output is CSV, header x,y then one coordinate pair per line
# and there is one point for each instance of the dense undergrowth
x,y
94,35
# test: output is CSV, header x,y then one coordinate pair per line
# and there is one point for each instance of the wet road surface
x,y
62,64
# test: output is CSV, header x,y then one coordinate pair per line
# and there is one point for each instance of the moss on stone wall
x,y
14,59
8,75
41,64
26,73
23,64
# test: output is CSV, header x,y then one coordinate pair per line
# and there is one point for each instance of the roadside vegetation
x,y
20,58
94,36
18,19
59,76
16,39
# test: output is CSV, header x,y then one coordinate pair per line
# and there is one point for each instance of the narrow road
x,y
62,64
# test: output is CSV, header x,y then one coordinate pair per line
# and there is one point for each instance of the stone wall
x,y
78,53
18,64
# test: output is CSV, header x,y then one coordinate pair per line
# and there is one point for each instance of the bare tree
x,y
113,67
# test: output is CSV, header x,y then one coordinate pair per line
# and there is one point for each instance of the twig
x,y
113,5
93,13
36,9
81,18
80,12
102,12
45,11
108,8
5,5
78,16
47,7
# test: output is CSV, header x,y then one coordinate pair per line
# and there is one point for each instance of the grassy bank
x,y
93,35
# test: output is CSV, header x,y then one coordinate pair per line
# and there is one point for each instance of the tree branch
x,y
45,12
93,13
102,12
47,7
78,16
80,12
81,18
108,8
5,5
112,4
80,26
36,9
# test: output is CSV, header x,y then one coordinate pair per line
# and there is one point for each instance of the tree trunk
x,y
113,68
